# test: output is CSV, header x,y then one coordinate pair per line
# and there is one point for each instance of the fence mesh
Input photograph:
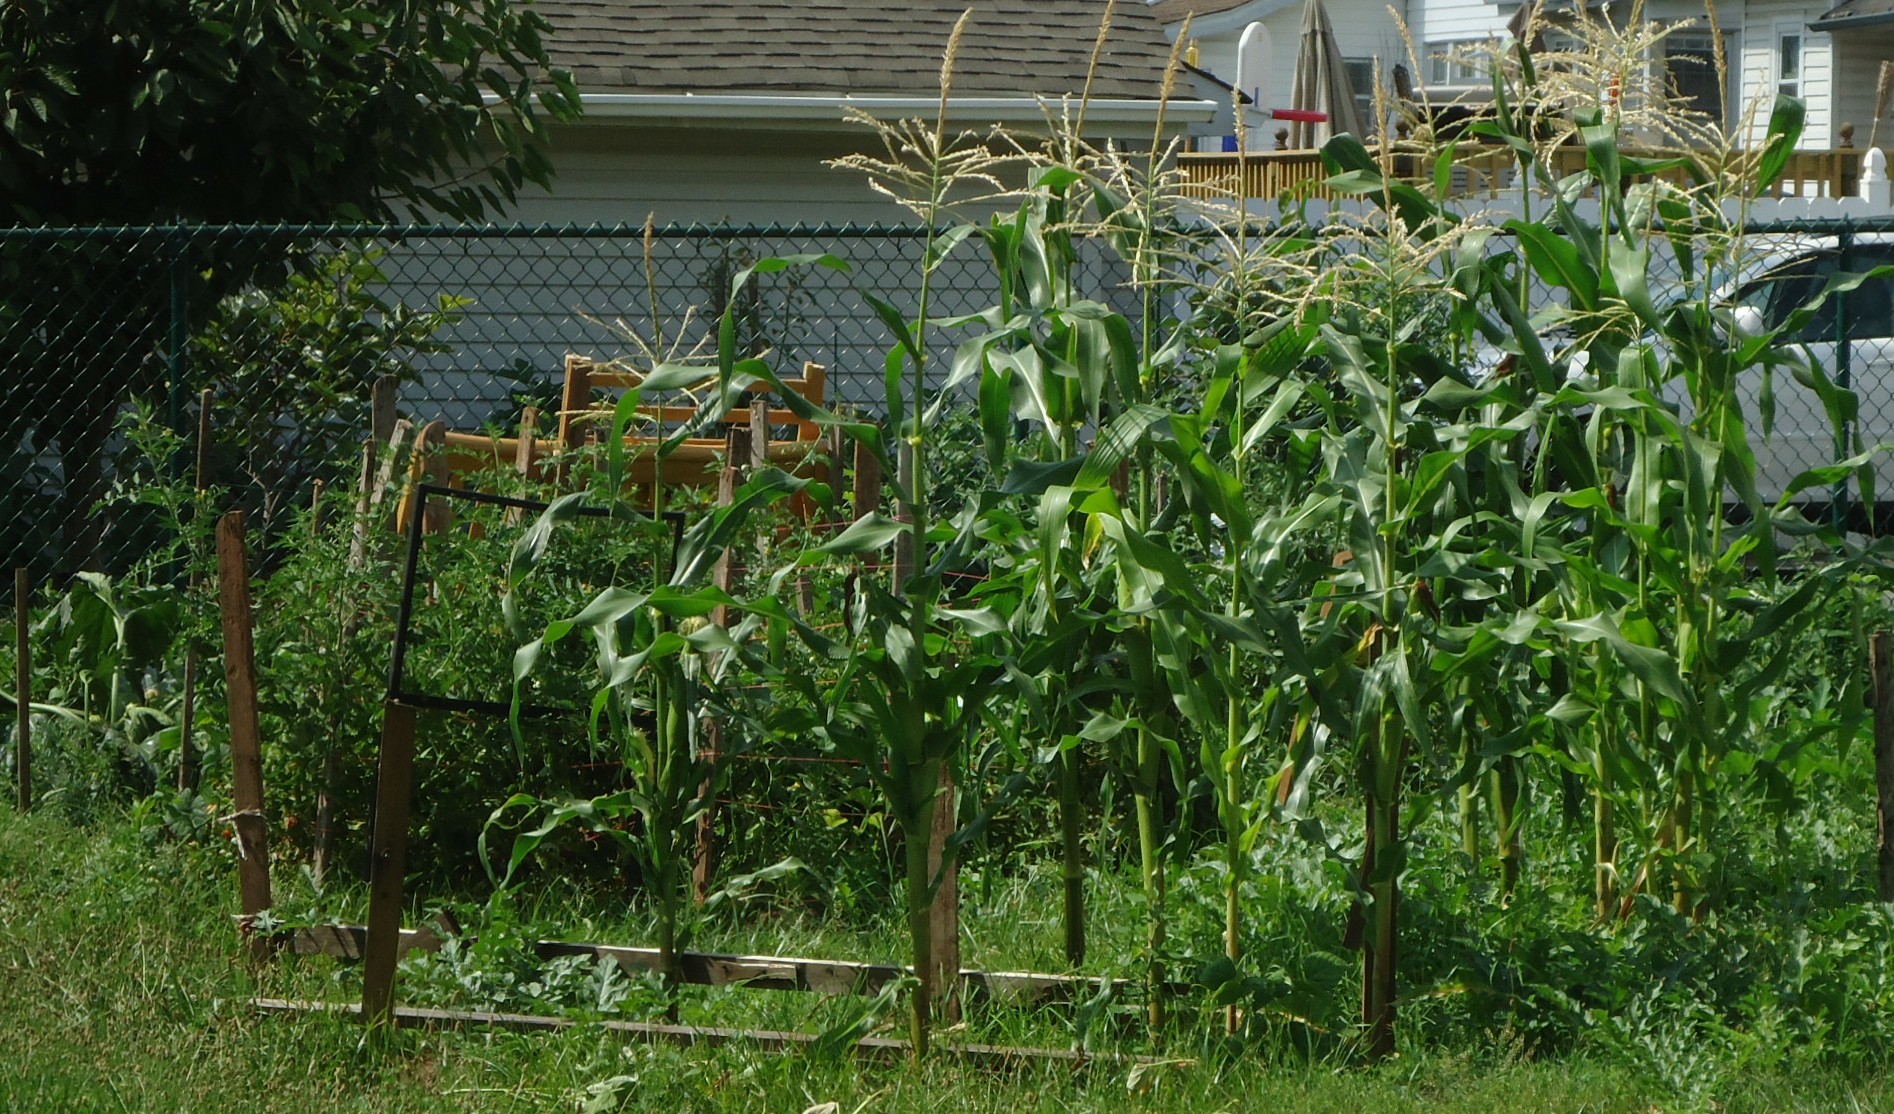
x,y
112,336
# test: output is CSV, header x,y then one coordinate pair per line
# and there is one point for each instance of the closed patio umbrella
x,y
1321,81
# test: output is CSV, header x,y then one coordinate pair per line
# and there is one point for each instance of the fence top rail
x,y
194,232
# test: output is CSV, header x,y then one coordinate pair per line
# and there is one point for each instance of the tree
x,y
138,112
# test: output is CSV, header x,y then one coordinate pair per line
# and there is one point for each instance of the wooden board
x,y
755,972
771,1040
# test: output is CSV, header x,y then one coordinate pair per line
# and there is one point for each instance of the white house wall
x,y
1363,29
1366,30
1762,22
609,174
1857,56
1445,21
533,299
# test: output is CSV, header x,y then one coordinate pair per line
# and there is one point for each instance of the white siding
x,y
1363,29
610,174
1763,21
1857,55
1437,21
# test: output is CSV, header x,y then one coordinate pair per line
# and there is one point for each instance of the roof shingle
x,y
1011,47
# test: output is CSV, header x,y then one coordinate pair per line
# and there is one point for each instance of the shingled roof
x,y
1012,48
1855,13
1174,11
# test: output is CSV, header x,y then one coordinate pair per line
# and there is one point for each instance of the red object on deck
x,y
1298,115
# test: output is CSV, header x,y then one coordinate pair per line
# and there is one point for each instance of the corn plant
x,y
660,666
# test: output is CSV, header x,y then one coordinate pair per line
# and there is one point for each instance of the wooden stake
x,y
524,456
385,475
23,687
737,448
433,444
737,455
246,752
384,405
945,911
1881,663
867,482
835,446
331,750
316,509
388,860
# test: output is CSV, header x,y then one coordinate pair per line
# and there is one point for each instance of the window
x,y
1794,284
1690,66
1453,63
1789,64
1360,73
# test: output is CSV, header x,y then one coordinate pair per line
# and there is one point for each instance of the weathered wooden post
x,y
737,454
246,751
944,914
388,861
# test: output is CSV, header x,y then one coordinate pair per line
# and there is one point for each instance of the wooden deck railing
x,y
1478,172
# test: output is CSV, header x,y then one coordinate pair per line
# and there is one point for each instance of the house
x,y
726,113
727,110
1830,57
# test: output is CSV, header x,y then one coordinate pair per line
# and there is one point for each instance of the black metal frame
x,y
397,666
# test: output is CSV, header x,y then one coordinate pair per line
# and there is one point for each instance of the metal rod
x,y
23,689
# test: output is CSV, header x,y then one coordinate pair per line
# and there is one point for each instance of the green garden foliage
x,y
1370,632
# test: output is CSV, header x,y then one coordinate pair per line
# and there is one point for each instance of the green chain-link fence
x,y
109,336
107,332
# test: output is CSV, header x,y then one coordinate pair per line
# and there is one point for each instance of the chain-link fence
x,y
111,336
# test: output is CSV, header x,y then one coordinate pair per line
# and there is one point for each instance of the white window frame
x,y
1364,98
1696,42
1789,84
1453,73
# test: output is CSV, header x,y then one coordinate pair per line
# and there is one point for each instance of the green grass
x,y
121,990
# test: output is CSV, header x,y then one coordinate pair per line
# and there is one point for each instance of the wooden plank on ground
x,y
246,749
772,1040
754,972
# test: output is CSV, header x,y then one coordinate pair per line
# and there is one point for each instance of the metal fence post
x,y
1844,361
180,335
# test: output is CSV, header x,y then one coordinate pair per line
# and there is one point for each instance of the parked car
x,y
1801,434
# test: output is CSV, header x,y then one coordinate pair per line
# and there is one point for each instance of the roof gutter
x,y
757,109
1873,19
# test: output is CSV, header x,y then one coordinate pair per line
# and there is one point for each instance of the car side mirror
x,y
1747,321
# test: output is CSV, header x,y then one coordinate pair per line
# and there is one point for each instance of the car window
x,y
1790,286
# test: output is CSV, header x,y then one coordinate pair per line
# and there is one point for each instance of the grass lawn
x,y
121,990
